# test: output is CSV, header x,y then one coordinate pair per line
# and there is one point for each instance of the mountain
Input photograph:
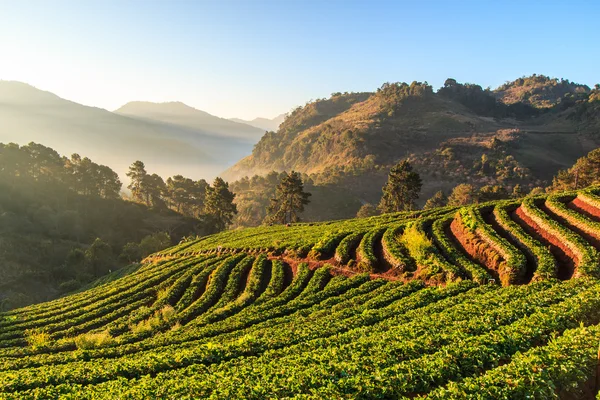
x,y
265,124
461,133
168,144
182,115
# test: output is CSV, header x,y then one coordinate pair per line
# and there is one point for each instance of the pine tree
x,y
401,190
137,173
290,199
439,199
585,172
219,205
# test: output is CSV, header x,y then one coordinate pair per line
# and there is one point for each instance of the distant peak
x,y
169,107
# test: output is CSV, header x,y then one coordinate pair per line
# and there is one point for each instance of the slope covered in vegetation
x,y
497,300
519,134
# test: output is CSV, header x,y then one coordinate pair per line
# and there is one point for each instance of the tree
x,y
290,199
401,190
462,195
536,191
518,192
219,204
585,172
154,188
99,257
137,173
492,192
367,210
439,199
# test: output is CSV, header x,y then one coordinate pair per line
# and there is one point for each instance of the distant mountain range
x,y
263,123
171,138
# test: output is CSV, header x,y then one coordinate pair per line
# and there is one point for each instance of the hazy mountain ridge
x,y
180,114
265,124
167,146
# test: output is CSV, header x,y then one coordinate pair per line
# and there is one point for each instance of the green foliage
x,y
439,199
88,341
199,318
37,338
585,172
401,190
367,210
219,204
462,195
290,199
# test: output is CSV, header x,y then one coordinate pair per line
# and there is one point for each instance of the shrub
x,y
93,340
37,338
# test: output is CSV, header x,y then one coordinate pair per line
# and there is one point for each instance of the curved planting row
x,y
545,263
394,252
440,231
586,257
485,244
365,254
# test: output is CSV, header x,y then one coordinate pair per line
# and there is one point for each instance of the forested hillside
x,y
519,134
497,300
63,223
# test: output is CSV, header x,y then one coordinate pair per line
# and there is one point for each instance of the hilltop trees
x,y
185,195
585,172
290,199
39,163
196,199
219,204
401,190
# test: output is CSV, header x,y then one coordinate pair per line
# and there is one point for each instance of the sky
x,y
252,59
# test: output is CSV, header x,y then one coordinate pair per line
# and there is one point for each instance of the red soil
x,y
584,208
477,249
566,260
593,239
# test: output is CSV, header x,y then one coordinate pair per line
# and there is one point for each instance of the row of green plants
x,y
394,252
538,310
545,263
365,252
513,264
586,257
454,255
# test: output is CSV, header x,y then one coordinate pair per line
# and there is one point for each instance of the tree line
x,y
403,188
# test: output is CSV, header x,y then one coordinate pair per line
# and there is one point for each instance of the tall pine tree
x,y
401,190
218,204
290,199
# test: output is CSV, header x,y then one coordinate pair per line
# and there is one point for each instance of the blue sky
x,y
262,58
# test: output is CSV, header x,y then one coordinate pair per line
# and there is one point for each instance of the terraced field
x,y
499,300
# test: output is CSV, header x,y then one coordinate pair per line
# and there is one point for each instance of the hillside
x,y
28,114
265,124
499,300
351,140
63,224
539,91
